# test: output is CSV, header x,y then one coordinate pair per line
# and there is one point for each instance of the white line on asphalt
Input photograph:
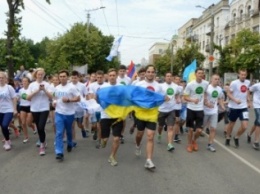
x,y
238,157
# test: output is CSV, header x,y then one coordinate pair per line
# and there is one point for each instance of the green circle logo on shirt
x,y
170,91
24,96
123,83
199,90
214,94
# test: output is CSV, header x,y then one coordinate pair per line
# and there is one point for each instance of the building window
x,y
241,14
234,16
160,51
256,29
249,10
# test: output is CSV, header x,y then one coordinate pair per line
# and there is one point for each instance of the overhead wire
x,y
117,19
101,3
75,13
57,21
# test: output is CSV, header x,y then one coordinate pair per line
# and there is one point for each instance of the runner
x,y
65,96
150,127
25,113
95,118
239,101
214,96
7,108
194,95
256,128
166,110
108,123
40,94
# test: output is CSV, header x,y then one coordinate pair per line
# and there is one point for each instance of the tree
x,y
13,31
77,47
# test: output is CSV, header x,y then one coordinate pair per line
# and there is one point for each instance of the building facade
x,y
157,50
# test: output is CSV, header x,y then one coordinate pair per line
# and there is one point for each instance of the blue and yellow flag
x,y
119,101
189,72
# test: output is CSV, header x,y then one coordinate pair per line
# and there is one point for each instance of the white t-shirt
x,y
171,90
82,91
177,106
23,95
196,90
40,101
123,81
213,95
68,91
7,94
102,112
153,86
256,94
95,86
239,91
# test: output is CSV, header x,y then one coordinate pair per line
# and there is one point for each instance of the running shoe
x,y
25,140
149,164
7,145
211,148
236,141
42,150
138,151
59,157
170,147
159,138
177,139
256,146
69,148
248,138
190,148
195,146
112,161
122,140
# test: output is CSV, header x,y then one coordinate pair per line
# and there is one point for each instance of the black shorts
x,y
141,125
234,114
194,119
25,109
166,118
177,113
114,124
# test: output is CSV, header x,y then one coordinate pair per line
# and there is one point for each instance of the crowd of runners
x,y
195,107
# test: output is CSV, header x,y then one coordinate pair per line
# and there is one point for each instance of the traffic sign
x,y
211,58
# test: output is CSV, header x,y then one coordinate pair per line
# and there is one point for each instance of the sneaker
x,y
74,144
138,151
83,133
190,148
195,146
112,161
95,135
227,142
7,145
98,144
159,138
211,148
149,164
69,148
42,151
103,143
256,146
122,140
207,131
26,140
38,143
236,141
170,147
248,138
177,139
59,157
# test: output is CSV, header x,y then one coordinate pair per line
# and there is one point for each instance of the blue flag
x,y
189,71
114,49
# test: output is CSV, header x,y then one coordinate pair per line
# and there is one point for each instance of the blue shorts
x,y
234,114
257,117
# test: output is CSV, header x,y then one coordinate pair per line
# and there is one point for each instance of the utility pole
x,y
88,16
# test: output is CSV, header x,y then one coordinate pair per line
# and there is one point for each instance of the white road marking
x,y
238,157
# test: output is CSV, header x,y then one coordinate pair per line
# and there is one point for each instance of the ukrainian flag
x,y
189,71
119,101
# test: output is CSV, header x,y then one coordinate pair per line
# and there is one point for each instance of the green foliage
x,y
241,53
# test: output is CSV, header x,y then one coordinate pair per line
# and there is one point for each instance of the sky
x,y
140,22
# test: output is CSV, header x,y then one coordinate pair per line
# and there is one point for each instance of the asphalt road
x,y
85,170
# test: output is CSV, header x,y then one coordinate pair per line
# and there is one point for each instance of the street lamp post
x,y
211,49
88,15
